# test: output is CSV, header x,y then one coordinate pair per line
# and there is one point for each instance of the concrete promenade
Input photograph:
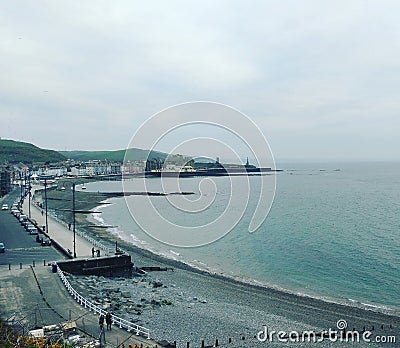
x,y
57,230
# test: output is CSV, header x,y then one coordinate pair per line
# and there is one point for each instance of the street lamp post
x,y
20,185
73,216
45,198
30,194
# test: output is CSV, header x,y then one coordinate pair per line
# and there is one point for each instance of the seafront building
x,y
132,167
98,168
49,171
88,169
5,180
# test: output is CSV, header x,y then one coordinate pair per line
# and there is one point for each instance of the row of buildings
x,y
20,171
98,167
90,168
72,168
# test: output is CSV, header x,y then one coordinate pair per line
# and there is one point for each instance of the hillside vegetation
x,y
117,156
12,151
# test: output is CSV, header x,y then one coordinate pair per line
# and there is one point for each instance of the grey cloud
x,y
300,70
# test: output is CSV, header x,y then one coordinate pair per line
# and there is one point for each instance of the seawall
x,y
108,266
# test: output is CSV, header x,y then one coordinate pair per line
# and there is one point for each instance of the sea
x,y
333,230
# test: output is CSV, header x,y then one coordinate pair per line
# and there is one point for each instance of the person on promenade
x,y
93,252
101,321
108,320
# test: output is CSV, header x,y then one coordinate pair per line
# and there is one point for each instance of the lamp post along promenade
x,y
73,216
45,198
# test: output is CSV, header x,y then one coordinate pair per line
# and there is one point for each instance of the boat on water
x,y
83,187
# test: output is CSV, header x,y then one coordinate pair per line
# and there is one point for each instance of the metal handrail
x,y
100,245
122,323
94,242
107,250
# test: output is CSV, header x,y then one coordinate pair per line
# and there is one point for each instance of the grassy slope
x,y
15,151
118,156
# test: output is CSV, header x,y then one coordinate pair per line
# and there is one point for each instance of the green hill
x,y
117,156
16,151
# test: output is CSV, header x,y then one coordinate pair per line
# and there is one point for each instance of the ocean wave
x,y
379,307
97,217
175,253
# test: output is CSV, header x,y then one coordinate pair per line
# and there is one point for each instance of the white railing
x,y
108,251
122,323
96,243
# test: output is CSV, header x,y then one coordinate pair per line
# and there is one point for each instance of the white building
x,y
90,171
78,171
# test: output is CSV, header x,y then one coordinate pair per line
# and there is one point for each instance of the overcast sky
x,y
321,79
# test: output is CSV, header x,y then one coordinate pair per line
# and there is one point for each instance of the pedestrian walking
x,y
93,251
101,321
102,336
108,320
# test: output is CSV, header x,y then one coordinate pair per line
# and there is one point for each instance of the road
x,y
20,246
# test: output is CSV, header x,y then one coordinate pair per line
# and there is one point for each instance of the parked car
x,y
2,248
46,241
4,207
17,214
32,230
39,238
28,226
27,222
22,218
